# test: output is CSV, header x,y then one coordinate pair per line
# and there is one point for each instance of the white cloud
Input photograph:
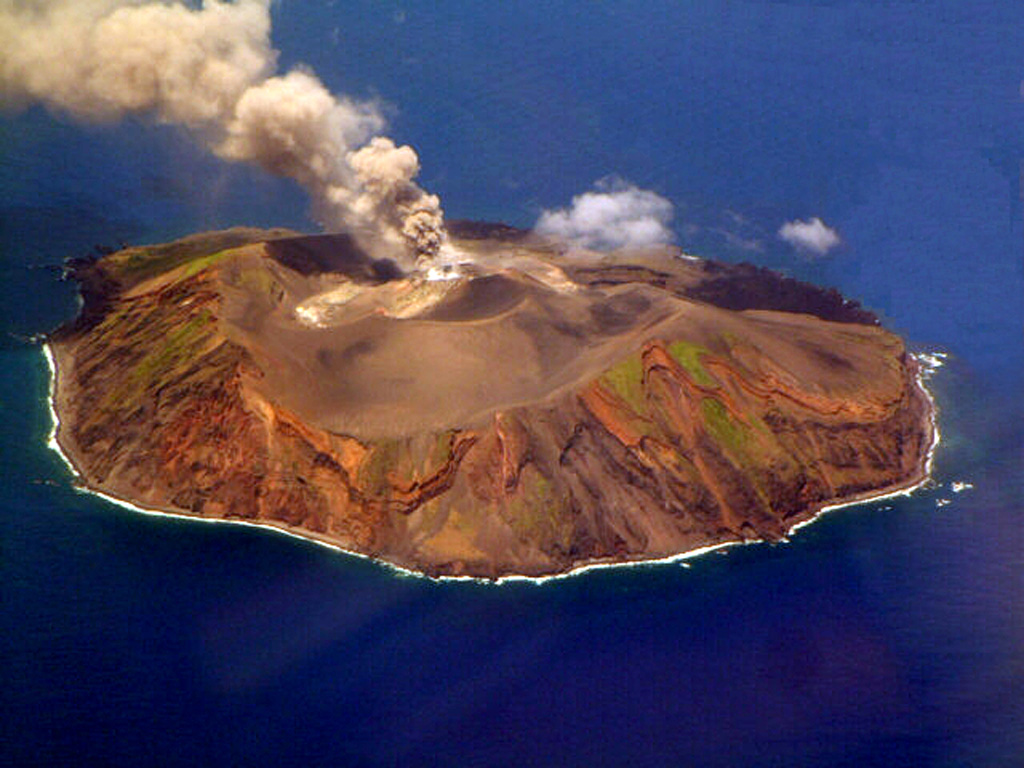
x,y
814,236
614,214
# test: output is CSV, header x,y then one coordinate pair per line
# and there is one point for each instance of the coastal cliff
x,y
536,411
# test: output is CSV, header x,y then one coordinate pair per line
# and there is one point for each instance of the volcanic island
x,y
535,410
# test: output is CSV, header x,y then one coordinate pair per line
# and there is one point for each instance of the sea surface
x,y
889,634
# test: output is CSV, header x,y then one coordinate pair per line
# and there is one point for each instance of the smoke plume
x,y
212,70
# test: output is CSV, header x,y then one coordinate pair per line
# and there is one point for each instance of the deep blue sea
x,y
890,634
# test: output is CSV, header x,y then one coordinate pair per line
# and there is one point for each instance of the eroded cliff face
x,y
682,425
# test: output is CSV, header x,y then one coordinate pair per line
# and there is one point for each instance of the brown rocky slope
x,y
546,410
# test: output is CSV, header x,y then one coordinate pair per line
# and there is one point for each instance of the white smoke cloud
x,y
212,70
615,214
813,236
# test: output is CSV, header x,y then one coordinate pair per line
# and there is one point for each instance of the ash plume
x,y
212,70
387,193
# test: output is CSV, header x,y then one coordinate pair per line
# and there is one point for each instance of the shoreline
x,y
927,363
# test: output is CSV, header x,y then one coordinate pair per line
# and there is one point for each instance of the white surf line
x,y
51,399
930,362
598,566
934,362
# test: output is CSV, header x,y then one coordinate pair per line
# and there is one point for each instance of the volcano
x,y
525,408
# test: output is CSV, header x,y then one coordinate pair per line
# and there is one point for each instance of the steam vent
x,y
530,411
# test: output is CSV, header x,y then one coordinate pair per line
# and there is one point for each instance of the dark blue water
x,y
887,635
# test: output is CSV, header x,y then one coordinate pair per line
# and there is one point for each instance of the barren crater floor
x,y
530,412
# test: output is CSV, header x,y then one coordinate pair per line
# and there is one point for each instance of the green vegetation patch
x,y
728,433
626,379
119,319
133,265
441,451
688,355
375,468
259,280
180,348
535,513
205,262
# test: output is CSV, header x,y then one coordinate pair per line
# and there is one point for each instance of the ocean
x,y
886,634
